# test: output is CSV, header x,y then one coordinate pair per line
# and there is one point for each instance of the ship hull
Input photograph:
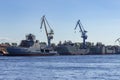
x,y
70,50
30,54
19,51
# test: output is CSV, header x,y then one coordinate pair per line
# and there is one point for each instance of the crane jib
x,y
83,31
50,33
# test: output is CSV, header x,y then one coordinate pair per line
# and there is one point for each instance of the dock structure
x,y
3,50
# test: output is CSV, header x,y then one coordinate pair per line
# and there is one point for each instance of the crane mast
x,y
83,32
49,34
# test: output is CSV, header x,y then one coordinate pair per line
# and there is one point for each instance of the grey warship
x,y
32,47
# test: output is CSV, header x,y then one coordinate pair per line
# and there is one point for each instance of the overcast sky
x,y
101,18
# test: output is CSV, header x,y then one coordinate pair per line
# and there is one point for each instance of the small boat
x,y
30,47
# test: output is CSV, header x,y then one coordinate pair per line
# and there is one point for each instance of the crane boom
x,y
83,32
43,23
49,34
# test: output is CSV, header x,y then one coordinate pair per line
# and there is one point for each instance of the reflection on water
x,y
88,67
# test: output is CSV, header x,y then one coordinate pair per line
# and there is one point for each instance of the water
x,y
88,67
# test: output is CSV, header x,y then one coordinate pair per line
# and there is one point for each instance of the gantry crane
x,y
83,32
49,33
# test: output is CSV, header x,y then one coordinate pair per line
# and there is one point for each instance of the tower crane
x,y
49,33
83,32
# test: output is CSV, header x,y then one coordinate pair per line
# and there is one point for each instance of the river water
x,y
82,67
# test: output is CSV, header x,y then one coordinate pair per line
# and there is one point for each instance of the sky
x,y
101,18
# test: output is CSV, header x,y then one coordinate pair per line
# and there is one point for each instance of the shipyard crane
x,y
49,33
83,32
118,40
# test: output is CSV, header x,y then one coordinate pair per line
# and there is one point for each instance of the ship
x,y
69,48
29,47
